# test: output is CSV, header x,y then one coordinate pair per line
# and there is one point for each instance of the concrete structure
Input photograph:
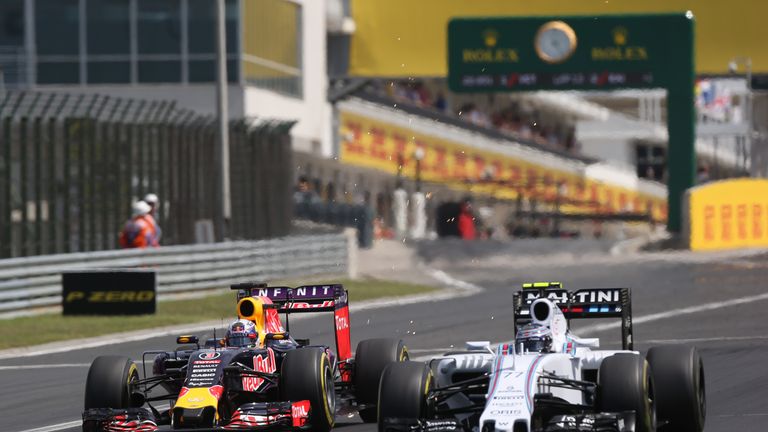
x,y
634,135
151,50
281,55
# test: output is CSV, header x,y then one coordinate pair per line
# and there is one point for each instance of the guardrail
x,y
359,217
35,282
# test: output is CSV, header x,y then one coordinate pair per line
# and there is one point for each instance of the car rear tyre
x,y
626,384
109,382
403,392
679,376
371,357
306,374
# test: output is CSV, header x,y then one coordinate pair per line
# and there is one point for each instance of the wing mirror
x,y
190,339
478,345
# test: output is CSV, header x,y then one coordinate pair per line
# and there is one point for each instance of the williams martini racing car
x,y
258,376
548,379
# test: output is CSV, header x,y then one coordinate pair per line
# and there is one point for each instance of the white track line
x,y
75,423
45,366
657,317
459,289
707,339
56,427
429,353
673,313
113,339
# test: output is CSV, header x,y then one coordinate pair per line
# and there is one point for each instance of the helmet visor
x,y
241,339
537,344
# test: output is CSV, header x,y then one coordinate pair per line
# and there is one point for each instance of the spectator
x,y
401,92
151,217
473,115
440,103
570,141
423,97
702,174
137,232
304,193
512,119
466,221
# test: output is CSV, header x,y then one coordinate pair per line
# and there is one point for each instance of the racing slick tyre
x,y
625,383
679,376
306,374
403,393
109,381
371,357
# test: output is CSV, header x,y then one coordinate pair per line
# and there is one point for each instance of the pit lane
x,y
732,339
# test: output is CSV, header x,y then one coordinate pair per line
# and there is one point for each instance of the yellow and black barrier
x,y
728,214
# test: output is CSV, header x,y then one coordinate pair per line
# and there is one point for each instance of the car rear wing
x,y
305,299
583,303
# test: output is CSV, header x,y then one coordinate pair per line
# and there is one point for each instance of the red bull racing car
x,y
258,376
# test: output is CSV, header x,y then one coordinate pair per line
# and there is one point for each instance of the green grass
x,y
39,329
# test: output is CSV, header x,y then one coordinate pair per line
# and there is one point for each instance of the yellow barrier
x,y
728,214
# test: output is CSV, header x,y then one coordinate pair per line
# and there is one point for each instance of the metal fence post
x,y
133,147
37,128
22,185
257,182
123,151
6,205
43,191
31,187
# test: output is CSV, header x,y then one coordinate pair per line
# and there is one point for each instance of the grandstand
x,y
359,115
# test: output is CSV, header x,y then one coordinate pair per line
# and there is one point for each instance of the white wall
x,y
613,141
618,152
313,131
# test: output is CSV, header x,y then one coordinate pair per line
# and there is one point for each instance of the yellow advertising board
x,y
372,143
728,214
270,57
405,38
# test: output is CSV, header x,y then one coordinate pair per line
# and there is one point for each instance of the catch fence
x,y
72,165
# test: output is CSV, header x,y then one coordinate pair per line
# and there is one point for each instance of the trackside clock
x,y
555,42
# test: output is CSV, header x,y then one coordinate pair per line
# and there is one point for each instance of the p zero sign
x,y
727,214
587,53
109,292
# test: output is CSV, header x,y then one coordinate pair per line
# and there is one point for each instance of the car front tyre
x,y
403,392
109,382
625,383
306,374
371,357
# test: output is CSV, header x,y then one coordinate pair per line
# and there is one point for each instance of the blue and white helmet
x,y
242,333
534,338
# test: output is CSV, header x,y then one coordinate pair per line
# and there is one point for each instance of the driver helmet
x,y
534,338
242,333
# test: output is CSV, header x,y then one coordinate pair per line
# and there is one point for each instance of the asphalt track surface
x,y
733,339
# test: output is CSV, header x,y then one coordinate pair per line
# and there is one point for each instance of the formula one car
x,y
258,376
548,379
